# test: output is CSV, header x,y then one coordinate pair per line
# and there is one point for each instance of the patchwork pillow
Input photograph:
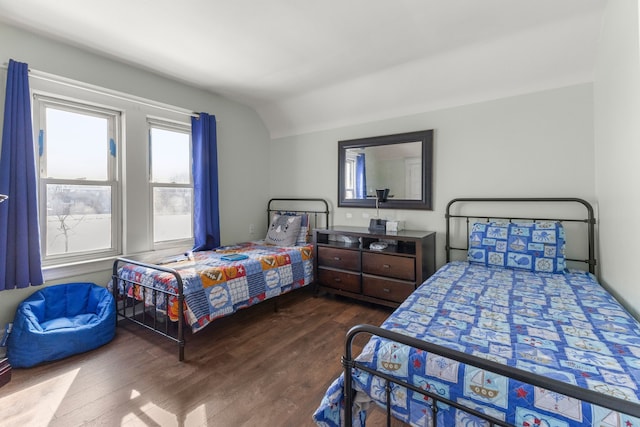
x,y
530,246
283,230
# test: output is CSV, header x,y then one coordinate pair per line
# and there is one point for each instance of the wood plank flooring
x,y
255,368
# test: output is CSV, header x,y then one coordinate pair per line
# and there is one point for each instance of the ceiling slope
x,y
307,66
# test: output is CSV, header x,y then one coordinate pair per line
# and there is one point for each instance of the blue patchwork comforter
x,y
564,326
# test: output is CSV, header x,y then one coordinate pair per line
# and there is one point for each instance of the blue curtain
x,y
20,262
361,178
206,215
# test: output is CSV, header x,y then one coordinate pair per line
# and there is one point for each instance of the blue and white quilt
x,y
564,326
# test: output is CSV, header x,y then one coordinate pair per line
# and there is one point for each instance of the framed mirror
x,y
400,165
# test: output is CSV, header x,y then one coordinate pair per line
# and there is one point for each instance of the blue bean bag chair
x,y
59,321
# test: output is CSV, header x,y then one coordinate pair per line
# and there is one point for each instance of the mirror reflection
x,y
397,167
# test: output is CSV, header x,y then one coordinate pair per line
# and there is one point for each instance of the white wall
x,y
617,150
540,144
243,140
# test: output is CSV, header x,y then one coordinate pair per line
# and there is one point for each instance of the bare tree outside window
x,y
78,218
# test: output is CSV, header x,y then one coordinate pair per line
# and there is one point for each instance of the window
x,y
171,181
350,177
78,170
114,177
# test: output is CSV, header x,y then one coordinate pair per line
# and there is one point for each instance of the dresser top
x,y
364,232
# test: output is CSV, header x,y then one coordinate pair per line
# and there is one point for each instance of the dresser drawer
x,y
386,289
339,280
339,258
5,371
398,267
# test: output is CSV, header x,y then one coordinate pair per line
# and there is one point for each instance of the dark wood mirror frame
x,y
425,202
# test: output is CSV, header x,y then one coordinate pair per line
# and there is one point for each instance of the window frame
x,y
350,175
115,118
173,126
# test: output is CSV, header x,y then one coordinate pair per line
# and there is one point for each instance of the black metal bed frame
x,y
138,312
590,222
586,395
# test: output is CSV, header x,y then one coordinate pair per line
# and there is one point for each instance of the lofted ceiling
x,y
311,65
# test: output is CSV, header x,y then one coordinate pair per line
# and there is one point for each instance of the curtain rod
x,y
42,75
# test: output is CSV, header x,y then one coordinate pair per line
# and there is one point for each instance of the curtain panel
x,y
20,256
361,177
206,216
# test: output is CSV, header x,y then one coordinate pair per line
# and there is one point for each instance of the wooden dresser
x,y
5,371
345,264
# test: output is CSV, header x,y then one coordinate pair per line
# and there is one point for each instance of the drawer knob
x,y
386,266
337,280
337,258
386,290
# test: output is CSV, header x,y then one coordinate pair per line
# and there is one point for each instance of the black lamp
x,y
381,195
376,224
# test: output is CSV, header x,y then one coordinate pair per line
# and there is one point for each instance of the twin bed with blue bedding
x,y
510,336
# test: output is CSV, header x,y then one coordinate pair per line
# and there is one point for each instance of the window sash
x,y
42,102
171,239
111,149
350,177
77,219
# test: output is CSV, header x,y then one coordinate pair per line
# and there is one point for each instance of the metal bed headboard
x,y
588,219
317,210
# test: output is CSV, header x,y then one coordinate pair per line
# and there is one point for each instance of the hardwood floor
x,y
255,368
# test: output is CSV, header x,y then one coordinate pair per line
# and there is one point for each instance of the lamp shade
x,y
382,195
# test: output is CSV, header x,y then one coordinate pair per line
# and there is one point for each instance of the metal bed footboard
x,y
348,362
127,306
